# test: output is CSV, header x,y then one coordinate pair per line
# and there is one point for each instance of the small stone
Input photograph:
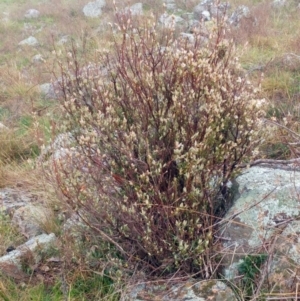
x,y
240,13
205,15
135,9
10,248
201,7
31,41
38,58
94,9
190,37
63,40
48,90
170,20
170,4
32,14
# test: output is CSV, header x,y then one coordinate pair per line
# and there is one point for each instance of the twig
x,y
279,164
264,272
105,236
294,143
284,127
293,54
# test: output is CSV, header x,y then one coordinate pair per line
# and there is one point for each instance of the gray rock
x,y
38,58
205,15
279,3
189,17
212,290
264,213
26,256
31,29
94,9
288,61
12,199
289,241
285,262
30,219
189,36
58,149
194,26
61,152
54,90
170,4
215,9
220,9
201,7
74,227
48,90
32,14
170,20
63,40
240,13
31,41
278,196
136,9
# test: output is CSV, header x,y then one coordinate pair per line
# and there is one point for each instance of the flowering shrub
x,y
160,124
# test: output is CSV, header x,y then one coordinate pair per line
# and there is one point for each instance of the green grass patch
x,y
4,113
256,56
279,81
8,234
39,292
93,287
84,288
250,268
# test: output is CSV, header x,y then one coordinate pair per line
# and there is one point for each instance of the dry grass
x,y
272,48
9,234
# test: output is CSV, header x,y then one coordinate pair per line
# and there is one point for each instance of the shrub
x,y
160,124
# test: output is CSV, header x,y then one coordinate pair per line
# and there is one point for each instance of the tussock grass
x,y
15,147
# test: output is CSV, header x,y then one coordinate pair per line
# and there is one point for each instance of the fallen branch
x,y
292,164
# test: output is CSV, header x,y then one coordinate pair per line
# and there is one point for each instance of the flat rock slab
x,y
265,198
206,290
30,253
264,219
31,41
11,199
